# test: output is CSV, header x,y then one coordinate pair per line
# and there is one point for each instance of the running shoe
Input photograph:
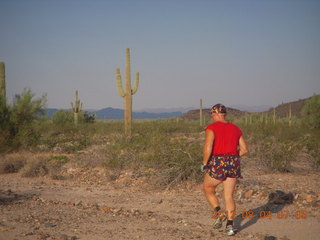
x,y
217,223
230,231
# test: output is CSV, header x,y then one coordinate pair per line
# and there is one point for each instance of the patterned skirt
x,y
223,166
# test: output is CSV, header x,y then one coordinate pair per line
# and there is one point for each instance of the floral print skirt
x,y
223,166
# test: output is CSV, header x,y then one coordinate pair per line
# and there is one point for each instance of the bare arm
x,y
243,147
207,150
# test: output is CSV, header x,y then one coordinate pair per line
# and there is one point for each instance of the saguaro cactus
x,y
127,94
2,81
201,114
290,116
76,108
274,116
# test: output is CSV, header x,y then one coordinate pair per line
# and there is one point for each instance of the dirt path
x,y
92,207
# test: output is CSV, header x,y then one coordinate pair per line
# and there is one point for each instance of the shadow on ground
x,y
8,197
276,202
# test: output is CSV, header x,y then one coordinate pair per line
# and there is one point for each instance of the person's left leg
x,y
228,186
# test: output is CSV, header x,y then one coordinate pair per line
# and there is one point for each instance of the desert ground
x,y
90,203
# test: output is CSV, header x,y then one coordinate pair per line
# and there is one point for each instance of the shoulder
x,y
236,128
211,126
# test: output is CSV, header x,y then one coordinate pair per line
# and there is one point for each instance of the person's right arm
x,y
207,150
243,147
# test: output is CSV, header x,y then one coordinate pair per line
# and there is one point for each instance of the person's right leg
x,y
209,187
228,187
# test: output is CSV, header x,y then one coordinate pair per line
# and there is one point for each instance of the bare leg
x,y
228,186
209,187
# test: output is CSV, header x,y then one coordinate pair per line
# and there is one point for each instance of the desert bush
x,y
89,117
155,145
276,146
63,138
12,163
54,165
277,155
35,167
311,112
17,121
43,165
62,117
310,144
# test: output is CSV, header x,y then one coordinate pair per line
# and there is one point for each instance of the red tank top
x,y
226,138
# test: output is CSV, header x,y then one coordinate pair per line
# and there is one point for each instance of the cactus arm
x,y
72,106
119,83
136,84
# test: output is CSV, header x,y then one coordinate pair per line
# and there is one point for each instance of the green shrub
x,y
62,117
17,121
160,146
311,112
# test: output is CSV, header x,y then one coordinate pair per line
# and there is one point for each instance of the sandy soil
x,y
91,206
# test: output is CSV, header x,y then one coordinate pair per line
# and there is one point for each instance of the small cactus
x,y
201,114
274,116
290,116
76,108
2,80
127,93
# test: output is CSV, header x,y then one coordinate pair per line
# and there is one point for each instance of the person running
x,y
224,145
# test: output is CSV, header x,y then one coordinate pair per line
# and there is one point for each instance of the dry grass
x,y
33,164
12,163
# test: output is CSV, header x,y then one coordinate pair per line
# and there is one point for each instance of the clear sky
x,y
251,52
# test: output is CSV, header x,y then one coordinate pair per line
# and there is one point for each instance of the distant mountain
x,y
51,111
166,110
261,108
281,110
115,113
194,114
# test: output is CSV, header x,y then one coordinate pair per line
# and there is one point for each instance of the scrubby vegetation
x,y
170,150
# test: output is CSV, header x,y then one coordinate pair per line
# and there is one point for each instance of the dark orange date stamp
x,y
282,214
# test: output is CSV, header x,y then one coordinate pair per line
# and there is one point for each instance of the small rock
x,y
117,210
270,238
77,203
309,198
316,204
63,237
50,225
249,193
105,208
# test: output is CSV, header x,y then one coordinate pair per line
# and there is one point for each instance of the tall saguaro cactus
x,y
2,81
76,108
127,93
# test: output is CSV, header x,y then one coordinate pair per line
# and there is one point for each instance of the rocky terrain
x,y
90,204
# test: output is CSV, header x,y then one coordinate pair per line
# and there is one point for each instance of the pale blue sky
x,y
259,52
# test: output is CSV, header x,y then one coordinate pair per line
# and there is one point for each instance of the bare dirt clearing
x,y
89,205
